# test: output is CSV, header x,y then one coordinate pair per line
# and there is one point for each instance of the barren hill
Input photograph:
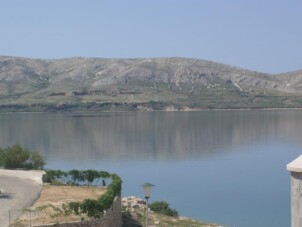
x,y
131,84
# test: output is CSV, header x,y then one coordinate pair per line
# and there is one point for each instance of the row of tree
x,y
91,207
18,157
75,177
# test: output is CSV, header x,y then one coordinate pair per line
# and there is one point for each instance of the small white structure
x,y
295,167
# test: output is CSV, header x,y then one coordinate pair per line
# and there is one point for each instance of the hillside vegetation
x,y
140,84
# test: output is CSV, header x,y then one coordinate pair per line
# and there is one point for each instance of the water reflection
x,y
153,135
220,166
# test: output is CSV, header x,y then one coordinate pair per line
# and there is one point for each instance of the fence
x,y
15,216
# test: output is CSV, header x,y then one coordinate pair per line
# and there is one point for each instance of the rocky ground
x,y
134,215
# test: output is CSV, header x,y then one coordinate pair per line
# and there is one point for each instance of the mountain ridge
x,y
180,82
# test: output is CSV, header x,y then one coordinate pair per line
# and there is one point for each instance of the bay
x,y
226,167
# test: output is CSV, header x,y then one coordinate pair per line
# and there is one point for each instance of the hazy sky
x,y
261,35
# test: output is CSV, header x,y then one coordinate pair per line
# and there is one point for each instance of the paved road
x,y
16,194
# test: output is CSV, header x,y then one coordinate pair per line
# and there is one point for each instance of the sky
x,y
260,35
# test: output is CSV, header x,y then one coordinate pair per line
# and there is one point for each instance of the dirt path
x,y
17,192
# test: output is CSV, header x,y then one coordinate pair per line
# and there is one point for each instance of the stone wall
x,y
112,218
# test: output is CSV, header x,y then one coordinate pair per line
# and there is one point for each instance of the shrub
x,y
46,178
36,161
162,207
75,207
18,157
92,208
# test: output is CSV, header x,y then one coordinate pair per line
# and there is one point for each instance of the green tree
x,y
15,157
19,157
91,175
36,161
75,175
104,174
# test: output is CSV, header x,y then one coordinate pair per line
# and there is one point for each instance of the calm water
x,y
227,167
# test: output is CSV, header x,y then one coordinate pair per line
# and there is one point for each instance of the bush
x,y
75,207
162,207
18,157
92,208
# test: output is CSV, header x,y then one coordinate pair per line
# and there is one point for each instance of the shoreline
x,y
36,177
150,110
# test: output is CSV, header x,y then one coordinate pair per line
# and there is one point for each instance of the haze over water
x,y
227,167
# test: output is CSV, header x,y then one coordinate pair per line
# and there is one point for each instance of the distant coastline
x,y
126,108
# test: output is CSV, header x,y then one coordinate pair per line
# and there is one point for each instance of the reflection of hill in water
x,y
152,135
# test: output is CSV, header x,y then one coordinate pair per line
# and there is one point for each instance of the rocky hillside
x,y
292,81
136,84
